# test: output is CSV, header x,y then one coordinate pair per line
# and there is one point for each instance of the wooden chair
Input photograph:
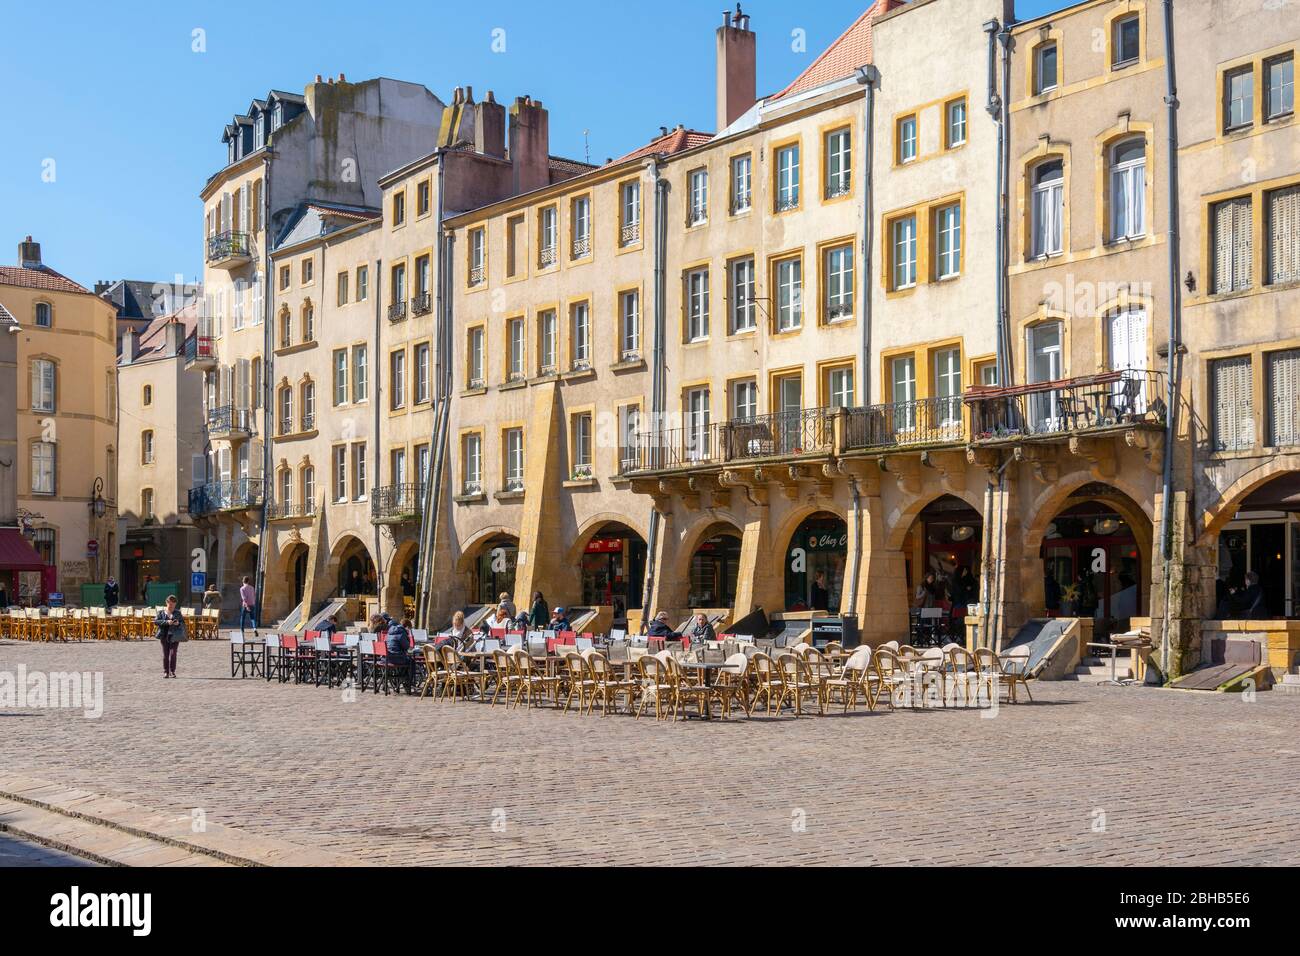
x,y
535,683
769,682
686,690
853,681
508,677
732,684
800,683
457,679
656,686
610,684
892,679
990,670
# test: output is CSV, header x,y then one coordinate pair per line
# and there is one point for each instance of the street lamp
x,y
97,503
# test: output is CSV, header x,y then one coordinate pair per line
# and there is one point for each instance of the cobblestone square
x,y
1179,778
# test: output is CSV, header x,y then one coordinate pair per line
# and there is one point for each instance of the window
x,y
839,283
363,283
699,201
307,266
343,288
43,471
1284,398
309,487
286,328
146,447
1239,98
581,213
789,295
902,376
1279,92
397,290
146,504
397,466
1128,190
955,126
514,445
286,411
397,381
787,178
580,330
1045,365
517,352
286,488
477,257
839,163
399,208
903,252
1047,209
308,322
1045,76
360,378
629,312
422,276
472,464
630,204
744,400
1283,235
906,137
1233,241
839,383
341,377
341,474
947,228
43,382
421,463
1232,404
474,355
548,238
697,432
422,372
629,424
308,406
548,341
697,305
744,316
1126,41
423,192
44,543
146,398
741,183
44,315
359,471
581,444
947,386
285,277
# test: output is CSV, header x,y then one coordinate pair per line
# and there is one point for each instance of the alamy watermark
x,y
22,689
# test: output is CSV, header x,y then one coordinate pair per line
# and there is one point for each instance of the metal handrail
x,y
228,245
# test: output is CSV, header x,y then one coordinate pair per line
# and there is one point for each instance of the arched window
x,y
286,411
286,328
308,406
286,487
308,486
44,315
1128,170
308,322
1047,208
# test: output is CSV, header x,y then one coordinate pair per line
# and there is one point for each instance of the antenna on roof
x,y
586,141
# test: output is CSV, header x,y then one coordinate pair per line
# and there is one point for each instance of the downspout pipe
x,y
376,478
433,480
268,376
658,384
1175,310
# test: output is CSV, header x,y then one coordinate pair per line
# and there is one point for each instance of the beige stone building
x,y
66,426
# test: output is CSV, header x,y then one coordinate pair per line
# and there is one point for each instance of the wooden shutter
x,y
225,212
1284,235
243,383
1283,382
1234,410
1243,243
245,207
255,452
226,390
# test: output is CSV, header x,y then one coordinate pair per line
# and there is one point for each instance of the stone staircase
x,y
1094,670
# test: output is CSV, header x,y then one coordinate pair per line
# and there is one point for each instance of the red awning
x,y
16,554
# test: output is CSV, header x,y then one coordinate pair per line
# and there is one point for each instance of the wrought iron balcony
x,y
630,233
477,275
786,203
546,257
229,250
1068,406
227,421
422,304
581,247
308,421
838,190
793,434
397,504
201,351
240,494
282,511
397,311
838,311
926,421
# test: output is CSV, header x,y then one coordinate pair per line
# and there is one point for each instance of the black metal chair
x,y
245,656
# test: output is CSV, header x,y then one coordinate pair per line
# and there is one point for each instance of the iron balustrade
x,y
926,421
792,434
238,494
228,420
546,257
228,245
200,348
630,233
397,312
1068,406
280,510
477,275
581,247
421,304
397,503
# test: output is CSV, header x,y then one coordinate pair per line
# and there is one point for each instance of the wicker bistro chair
x,y
769,682
959,671
432,670
686,690
457,679
508,677
853,680
732,685
578,682
656,687
800,682
610,683
535,683
1015,673
990,668
892,679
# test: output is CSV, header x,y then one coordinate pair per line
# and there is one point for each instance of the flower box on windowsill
x,y
581,482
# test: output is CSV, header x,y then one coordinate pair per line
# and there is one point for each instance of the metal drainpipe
x,y
375,481
1175,308
268,369
657,391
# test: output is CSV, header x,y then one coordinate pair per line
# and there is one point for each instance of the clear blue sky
x,y
132,118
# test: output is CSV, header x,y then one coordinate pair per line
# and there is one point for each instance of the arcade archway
x,y
815,558
613,561
356,568
715,567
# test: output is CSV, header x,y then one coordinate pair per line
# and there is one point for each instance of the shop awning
x,y
16,554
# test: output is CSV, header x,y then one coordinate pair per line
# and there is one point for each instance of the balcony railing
x,y
422,304
227,421
546,257
630,233
397,504
238,494
927,421
228,246
308,421
786,203
1067,406
837,190
477,275
581,247
793,434
282,511
397,311
201,351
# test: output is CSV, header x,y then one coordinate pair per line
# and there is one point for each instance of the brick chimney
x,y
175,338
29,254
530,145
490,128
737,68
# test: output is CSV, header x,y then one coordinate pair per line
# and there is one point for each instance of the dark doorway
x,y
1268,559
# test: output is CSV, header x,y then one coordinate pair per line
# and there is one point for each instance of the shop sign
x,y
605,546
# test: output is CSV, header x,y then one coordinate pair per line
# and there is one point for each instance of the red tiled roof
x,y
676,141
41,278
839,60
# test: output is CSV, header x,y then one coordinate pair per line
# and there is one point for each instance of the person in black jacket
x,y
659,628
110,593
170,632
540,614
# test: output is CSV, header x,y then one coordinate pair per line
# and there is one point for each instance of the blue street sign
x,y
198,582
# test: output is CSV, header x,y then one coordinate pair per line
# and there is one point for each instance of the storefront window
x,y
613,571
496,570
815,560
714,569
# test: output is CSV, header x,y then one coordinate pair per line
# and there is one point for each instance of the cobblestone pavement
x,y
1086,775
15,852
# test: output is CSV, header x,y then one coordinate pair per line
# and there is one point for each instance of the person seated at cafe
x,y
702,630
559,621
397,639
505,601
1248,603
501,619
659,627
523,622
329,627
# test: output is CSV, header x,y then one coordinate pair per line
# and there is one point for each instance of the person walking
x,y
247,605
170,633
4,595
111,593
540,614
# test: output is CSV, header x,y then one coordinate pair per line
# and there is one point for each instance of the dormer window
x,y
277,116
259,132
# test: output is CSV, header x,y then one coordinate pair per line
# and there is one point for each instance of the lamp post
x,y
98,507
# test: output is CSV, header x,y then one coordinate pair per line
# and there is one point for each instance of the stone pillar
x,y
1176,616
669,590
542,545
761,579
882,599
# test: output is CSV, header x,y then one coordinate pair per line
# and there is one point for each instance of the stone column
x,y
1178,610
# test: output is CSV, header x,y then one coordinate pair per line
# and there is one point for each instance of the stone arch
x,y
1052,499
785,531
1231,500
345,544
588,529
900,521
471,546
693,535
402,554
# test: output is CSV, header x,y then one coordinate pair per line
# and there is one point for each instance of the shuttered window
x,y
1232,245
1233,403
1284,235
1284,393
